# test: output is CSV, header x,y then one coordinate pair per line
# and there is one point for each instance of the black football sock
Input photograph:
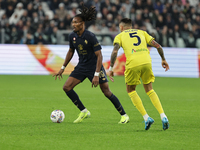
x,y
75,99
117,104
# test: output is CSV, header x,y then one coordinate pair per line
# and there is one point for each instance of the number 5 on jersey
x,y
132,35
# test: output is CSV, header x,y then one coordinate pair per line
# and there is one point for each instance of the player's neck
x,y
126,28
81,32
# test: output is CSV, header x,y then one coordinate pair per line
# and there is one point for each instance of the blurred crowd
x,y
173,23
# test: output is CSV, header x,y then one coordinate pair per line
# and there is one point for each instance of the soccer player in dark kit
x,y
89,65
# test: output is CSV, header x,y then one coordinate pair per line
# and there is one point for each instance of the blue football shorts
x,y
82,74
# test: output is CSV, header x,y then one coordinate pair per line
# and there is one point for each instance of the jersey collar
x,y
82,36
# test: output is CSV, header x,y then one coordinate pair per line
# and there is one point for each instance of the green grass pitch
x,y
26,103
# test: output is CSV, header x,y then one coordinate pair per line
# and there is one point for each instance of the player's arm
x,y
113,59
159,48
99,60
68,57
95,80
114,54
161,53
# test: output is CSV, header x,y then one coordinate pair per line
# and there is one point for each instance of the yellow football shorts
x,y
133,75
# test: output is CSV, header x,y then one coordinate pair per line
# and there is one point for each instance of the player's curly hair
x,y
87,14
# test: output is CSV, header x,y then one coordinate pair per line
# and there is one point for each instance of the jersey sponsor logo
x,y
80,50
80,47
133,51
139,50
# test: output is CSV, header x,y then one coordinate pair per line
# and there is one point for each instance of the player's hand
x,y
59,74
95,81
111,74
165,65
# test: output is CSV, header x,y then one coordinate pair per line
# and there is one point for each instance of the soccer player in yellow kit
x,y
138,65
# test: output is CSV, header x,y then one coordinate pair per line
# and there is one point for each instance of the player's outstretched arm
x,y
161,53
68,57
112,60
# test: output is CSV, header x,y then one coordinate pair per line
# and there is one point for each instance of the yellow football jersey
x,y
134,43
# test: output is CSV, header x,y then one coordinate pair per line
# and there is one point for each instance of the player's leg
x,y
68,88
147,79
157,104
154,98
132,78
115,101
137,102
71,82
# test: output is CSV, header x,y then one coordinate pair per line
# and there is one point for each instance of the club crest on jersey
x,y
74,40
86,41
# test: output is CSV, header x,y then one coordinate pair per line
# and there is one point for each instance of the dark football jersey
x,y
85,45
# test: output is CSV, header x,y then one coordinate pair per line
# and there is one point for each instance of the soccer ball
x,y
57,116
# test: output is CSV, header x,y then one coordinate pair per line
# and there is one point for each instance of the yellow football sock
x,y
137,102
155,100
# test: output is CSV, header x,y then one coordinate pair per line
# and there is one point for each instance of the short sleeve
x,y
148,37
71,41
117,40
95,43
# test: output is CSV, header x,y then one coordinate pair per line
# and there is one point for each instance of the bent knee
x,y
67,88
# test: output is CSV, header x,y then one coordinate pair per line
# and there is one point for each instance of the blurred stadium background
x,y
34,42
34,33
174,23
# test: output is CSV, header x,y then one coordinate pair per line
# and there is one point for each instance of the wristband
x,y
111,68
96,74
63,67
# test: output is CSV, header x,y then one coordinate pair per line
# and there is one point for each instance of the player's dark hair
x,y
126,21
87,14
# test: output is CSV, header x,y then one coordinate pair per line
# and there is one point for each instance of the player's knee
x,y
66,88
130,88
